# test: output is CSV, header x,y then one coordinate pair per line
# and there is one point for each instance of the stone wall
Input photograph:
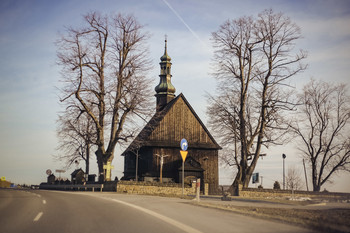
x,y
154,188
274,193
5,184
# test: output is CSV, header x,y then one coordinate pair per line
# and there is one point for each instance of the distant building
x,y
174,119
78,176
5,184
91,178
51,179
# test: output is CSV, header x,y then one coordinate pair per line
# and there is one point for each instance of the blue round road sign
x,y
184,144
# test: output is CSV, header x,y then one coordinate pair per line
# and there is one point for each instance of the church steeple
x,y
165,90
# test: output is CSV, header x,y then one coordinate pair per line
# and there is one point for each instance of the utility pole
x,y
284,184
161,166
307,186
137,165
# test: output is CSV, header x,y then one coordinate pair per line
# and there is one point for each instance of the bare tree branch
x,y
104,66
252,63
322,124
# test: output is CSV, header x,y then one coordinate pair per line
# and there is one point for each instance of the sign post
x,y
183,152
255,178
198,187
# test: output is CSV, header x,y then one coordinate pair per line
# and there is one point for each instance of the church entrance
x,y
193,171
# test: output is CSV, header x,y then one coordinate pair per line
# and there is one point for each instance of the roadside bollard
x,y
198,188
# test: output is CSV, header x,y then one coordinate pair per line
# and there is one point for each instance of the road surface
x,y
35,211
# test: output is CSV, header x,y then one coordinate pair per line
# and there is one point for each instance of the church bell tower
x,y
165,90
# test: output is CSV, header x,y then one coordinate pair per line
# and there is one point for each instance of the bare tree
x,y
104,68
323,124
253,61
76,134
293,179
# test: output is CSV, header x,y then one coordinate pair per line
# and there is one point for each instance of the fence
x,y
73,187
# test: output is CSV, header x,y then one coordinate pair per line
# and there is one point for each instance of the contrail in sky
x,y
183,21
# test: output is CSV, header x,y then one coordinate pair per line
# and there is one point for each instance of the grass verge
x,y
324,220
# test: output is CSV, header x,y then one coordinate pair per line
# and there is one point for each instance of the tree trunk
x,y
246,180
103,159
317,188
238,179
100,163
315,184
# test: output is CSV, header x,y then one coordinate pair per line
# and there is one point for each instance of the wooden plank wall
x,y
180,123
207,158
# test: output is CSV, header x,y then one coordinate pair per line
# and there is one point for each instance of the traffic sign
x,y
183,144
183,154
3,178
255,178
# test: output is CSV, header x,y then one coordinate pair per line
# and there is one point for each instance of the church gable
x,y
173,120
180,121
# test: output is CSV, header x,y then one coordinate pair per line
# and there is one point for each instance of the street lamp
x,y
283,156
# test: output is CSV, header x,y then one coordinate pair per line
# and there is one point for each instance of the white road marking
x,y
318,204
44,202
38,216
161,217
173,222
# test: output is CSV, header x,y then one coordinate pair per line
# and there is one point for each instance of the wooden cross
x,y
161,166
108,167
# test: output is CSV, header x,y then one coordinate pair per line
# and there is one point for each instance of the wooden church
x,y
157,147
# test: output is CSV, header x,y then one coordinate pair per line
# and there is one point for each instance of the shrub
x,y
276,185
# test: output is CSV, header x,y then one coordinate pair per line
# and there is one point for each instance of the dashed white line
x,y
38,216
44,202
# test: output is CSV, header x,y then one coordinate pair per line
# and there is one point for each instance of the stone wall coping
x,y
295,192
143,183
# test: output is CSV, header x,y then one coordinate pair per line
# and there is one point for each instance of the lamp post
x,y
283,156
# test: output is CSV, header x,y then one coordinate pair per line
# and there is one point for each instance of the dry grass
x,y
323,220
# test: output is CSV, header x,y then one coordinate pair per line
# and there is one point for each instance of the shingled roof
x,y
143,137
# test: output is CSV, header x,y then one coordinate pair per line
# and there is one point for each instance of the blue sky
x,y
29,74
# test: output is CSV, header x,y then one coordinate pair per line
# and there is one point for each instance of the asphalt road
x,y
56,212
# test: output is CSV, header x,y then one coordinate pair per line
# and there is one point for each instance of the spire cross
x,y
166,38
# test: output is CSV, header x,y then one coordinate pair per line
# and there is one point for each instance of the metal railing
x,y
73,187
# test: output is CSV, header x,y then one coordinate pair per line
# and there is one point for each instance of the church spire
x,y
165,57
165,90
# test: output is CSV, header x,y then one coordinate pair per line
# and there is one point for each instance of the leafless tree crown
x,y
104,70
293,179
253,60
322,124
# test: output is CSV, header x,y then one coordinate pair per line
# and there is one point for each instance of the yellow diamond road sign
x,y
183,154
3,178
